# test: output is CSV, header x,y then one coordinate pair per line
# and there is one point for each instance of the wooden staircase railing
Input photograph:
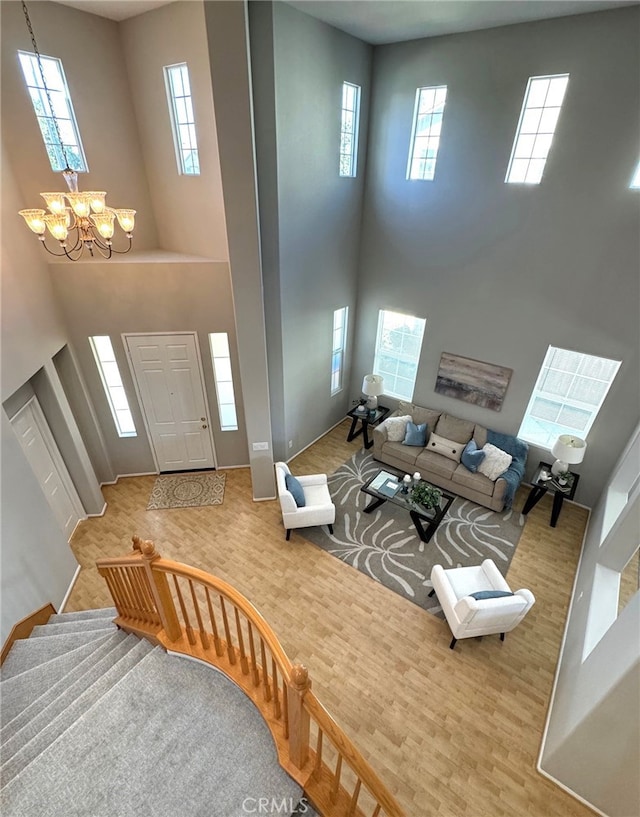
x,y
188,611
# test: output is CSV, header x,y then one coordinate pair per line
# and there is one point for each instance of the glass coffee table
x,y
387,487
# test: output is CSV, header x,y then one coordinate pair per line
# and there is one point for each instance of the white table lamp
x,y
372,386
568,450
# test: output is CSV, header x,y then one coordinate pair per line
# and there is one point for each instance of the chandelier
x,y
78,220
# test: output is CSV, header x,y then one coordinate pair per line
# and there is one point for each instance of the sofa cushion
x,y
396,427
405,453
448,448
416,434
295,489
472,456
480,436
452,428
476,482
495,462
429,462
419,414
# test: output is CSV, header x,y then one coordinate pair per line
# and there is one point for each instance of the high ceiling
x,y
388,21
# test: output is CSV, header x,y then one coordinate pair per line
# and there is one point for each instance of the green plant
x,y
567,476
424,494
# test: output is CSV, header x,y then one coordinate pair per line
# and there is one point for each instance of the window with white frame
x,y
58,111
339,344
182,118
567,397
635,181
112,382
223,378
538,119
349,129
398,345
425,134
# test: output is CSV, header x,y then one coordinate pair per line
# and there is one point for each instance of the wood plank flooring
x,y
452,733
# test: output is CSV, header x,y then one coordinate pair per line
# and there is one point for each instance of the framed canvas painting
x,y
483,384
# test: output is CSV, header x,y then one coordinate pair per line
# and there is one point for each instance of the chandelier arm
x,y
122,252
51,252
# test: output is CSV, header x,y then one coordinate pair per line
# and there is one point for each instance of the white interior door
x,y
169,379
44,457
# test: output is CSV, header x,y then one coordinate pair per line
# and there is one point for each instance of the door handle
x,y
204,419
205,426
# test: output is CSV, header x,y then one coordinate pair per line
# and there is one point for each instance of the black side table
x,y
539,488
367,418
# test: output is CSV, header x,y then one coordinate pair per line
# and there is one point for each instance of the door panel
x,y
169,379
47,464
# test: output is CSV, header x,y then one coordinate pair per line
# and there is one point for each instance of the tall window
x,y
60,110
112,382
567,396
425,135
182,118
349,129
538,120
635,182
339,344
224,381
398,345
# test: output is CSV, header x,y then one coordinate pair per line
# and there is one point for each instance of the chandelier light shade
x,y
373,387
79,221
568,450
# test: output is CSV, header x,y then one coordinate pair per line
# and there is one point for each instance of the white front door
x,y
169,379
45,459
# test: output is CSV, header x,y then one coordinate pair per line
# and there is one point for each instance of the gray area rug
x,y
187,491
385,546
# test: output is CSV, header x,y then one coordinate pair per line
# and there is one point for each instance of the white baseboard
x,y
319,437
93,515
121,476
64,601
569,791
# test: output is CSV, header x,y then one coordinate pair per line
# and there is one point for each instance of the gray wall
x,y
116,297
316,213
36,563
502,271
592,740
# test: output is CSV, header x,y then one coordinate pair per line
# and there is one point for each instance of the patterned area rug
x,y
385,546
187,491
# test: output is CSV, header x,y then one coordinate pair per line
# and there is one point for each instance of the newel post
x,y
298,716
159,588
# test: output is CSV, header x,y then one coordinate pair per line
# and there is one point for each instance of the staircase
x,y
99,722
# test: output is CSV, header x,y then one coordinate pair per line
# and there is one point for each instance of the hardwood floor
x,y
452,733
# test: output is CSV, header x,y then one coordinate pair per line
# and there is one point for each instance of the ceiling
x,y
389,21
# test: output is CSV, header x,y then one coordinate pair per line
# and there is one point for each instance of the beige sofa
x,y
435,468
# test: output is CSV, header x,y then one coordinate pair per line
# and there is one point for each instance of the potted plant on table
x,y
565,479
426,495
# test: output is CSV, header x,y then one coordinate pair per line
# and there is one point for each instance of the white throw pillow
x,y
396,428
495,462
448,448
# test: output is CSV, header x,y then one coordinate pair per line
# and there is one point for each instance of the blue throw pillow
x,y
490,594
294,487
415,434
472,456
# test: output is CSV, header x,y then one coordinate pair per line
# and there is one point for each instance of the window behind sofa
x,y
398,345
567,396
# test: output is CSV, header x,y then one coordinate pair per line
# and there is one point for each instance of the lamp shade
x,y
568,450
373,385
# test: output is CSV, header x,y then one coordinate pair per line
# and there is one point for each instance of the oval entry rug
x,y
187,491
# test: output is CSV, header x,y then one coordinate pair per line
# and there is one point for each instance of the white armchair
x,y
467,616
318,508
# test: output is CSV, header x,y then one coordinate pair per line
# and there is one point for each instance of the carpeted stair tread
x,y
172,737
12,766
28,653
23,701
74,626
74,692
22,690
84,615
